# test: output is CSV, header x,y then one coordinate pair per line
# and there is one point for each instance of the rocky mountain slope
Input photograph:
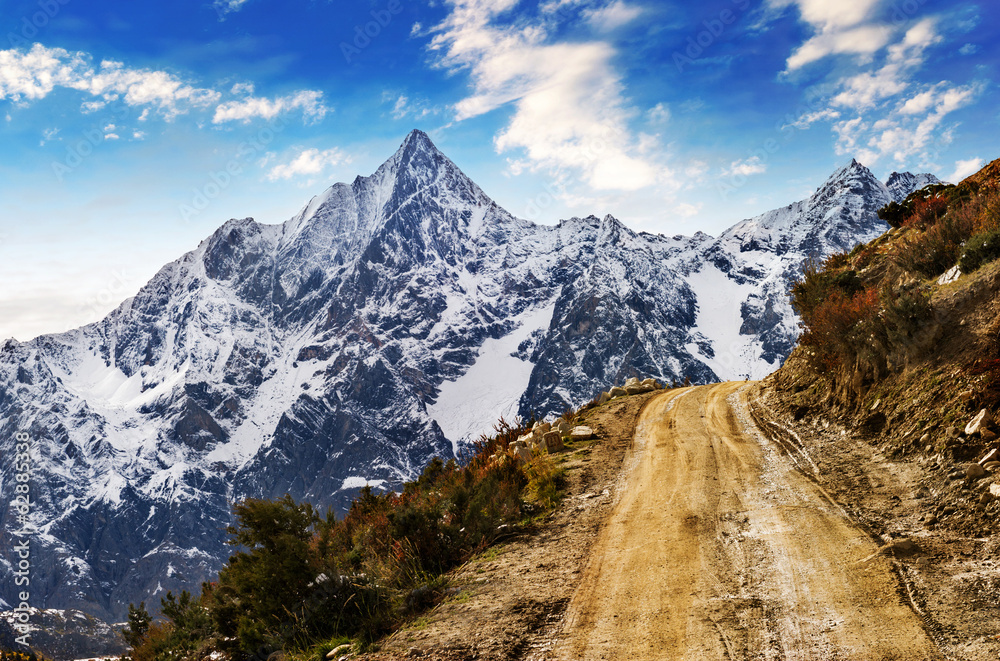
x,y
390,319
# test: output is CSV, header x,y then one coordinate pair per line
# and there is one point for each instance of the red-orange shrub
x,y
926,212
836,326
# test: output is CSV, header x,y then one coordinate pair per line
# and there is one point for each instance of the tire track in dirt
x,y
720,549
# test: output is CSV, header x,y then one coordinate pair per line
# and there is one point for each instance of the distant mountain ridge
x,y
387,321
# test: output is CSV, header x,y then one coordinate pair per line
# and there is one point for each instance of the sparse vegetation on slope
x,y
305,584
902,335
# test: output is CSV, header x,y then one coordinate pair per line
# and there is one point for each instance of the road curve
x,y
718,549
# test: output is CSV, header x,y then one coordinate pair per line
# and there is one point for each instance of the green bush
x,y
981,249
895,214
906,312
818,283
932,252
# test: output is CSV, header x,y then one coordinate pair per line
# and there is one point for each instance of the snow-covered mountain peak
x,y
901,184
853,176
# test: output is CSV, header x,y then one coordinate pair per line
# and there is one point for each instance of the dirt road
x,y
719,549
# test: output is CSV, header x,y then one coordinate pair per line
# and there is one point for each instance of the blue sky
x,y
130,131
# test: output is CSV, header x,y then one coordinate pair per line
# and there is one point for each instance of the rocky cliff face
x,y
388,321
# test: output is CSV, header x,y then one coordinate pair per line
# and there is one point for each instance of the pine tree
x,y
138,624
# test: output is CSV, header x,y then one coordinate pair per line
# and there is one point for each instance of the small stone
x,y
975,471
990,456
617,392
552,441
337,651
604,398
987,435
950,276
986,498
632,381
581,433
995,489
522,454
981,421
901,547
991,466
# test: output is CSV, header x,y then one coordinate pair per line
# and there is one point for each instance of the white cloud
x,y
882,109
965,168
865,90
308,162
612,16
810,118
913,131
918,104
686,210
828,16
861,40
841,27
695,169
34,74
969,49
659,114
568,110
404,106
399,108
223,7
138,135
110,136
310,102
750,166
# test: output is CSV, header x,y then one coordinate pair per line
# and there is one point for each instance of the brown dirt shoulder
x,y
507,602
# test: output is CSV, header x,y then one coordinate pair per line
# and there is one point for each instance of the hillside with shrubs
x,y
901,336
303,584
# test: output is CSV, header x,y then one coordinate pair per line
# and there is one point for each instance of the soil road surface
x,y
719,549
